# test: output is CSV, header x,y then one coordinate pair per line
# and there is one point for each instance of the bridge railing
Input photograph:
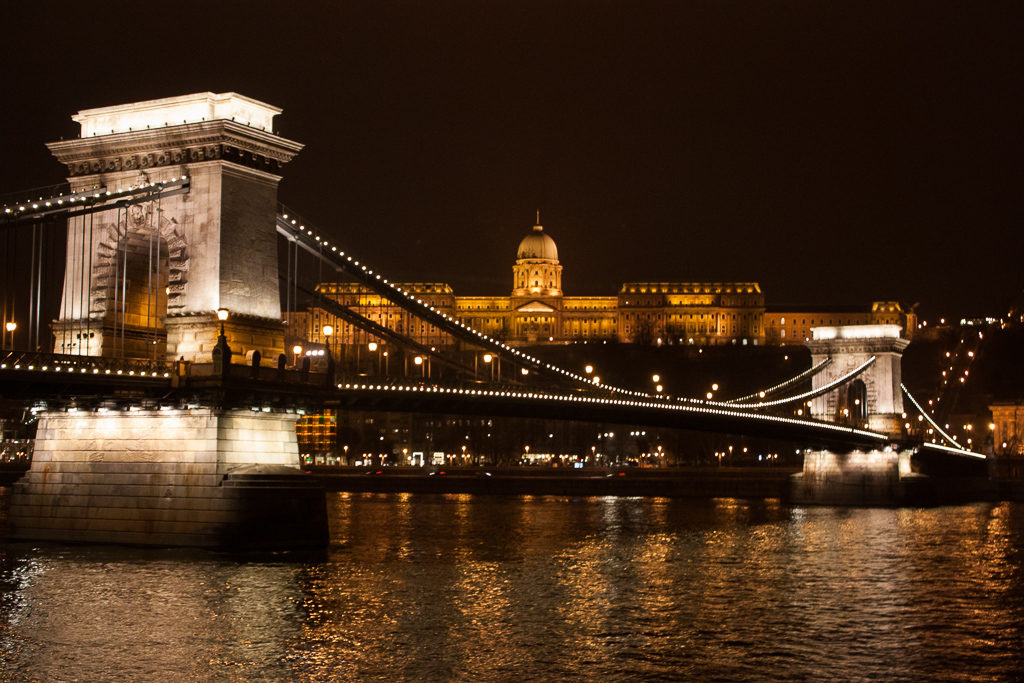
x,y
55,362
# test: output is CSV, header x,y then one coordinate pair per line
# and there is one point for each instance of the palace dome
x,y
538,244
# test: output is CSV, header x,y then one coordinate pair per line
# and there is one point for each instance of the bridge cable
x,y
806,374
423,310
367,325
87,313
31,285
124,281
930,421
814,393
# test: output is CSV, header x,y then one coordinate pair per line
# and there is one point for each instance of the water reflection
x,y
492,588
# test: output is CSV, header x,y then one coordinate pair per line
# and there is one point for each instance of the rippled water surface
x,y
541,588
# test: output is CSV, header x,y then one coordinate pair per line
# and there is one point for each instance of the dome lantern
x,y
537,271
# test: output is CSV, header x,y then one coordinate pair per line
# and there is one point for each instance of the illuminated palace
x,y
700,313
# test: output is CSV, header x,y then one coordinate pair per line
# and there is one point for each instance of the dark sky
x,y
835,152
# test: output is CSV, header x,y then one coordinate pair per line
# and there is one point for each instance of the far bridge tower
x,y
874,399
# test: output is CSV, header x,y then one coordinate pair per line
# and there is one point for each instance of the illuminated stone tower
x,y
873,400
147,279
537,272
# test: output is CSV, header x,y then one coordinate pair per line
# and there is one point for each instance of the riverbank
x,y
686,482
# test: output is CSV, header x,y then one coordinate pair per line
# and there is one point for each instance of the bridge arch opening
x,y
138,279
137,296
857,402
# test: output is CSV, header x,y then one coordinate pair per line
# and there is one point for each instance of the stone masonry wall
x,y
145,476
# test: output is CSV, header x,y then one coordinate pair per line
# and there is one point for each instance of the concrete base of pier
x,y
198,477
856,478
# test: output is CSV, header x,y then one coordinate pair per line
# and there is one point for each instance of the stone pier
x,y
871,401
861,477
155,278
196,477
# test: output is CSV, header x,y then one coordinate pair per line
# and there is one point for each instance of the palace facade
x,y
537,311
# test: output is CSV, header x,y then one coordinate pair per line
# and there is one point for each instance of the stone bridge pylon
x,y
147,280
874,399
155,273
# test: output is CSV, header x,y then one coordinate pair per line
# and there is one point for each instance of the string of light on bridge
x,y
929,419
814,393
299,229
72,367
446,320
785,384
619,402
69,202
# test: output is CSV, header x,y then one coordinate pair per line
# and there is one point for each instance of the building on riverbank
x,y
537,311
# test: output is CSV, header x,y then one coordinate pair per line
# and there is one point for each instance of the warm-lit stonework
x,y
144,281
537,311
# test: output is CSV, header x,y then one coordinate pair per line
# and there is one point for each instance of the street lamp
x,y
588,369
222,315
10,326
328,330
373,346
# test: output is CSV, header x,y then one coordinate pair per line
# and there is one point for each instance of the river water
x,y
459,587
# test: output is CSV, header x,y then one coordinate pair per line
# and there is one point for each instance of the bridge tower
x,y
146,280
872,401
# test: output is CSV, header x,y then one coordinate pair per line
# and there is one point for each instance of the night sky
x,y
835,152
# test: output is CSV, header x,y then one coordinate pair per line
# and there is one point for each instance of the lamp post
x,y
373,347
328,330
222,315
222,352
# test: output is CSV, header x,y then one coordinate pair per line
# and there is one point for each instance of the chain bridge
x,y
157,314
